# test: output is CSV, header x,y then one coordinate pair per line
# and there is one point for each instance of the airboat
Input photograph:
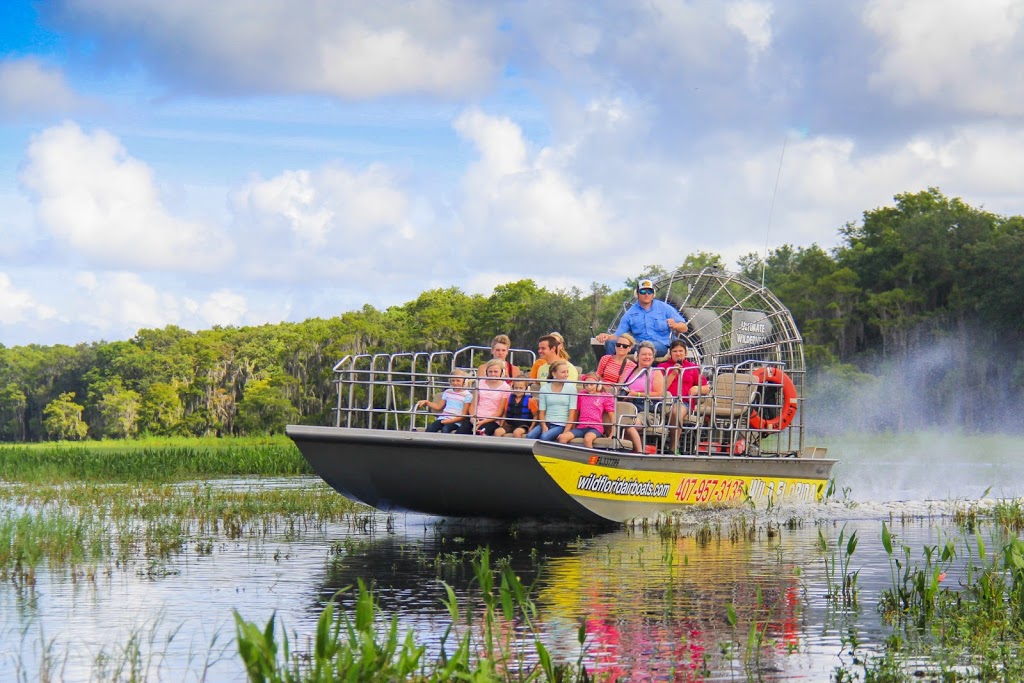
x,y
742,443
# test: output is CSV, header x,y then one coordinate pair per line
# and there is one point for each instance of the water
x,y
657,608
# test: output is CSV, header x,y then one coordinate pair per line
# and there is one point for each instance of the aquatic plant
x,y
971,629
842,583
81,526
366,646
915,592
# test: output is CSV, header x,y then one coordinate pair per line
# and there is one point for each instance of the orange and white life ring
x,y
790,402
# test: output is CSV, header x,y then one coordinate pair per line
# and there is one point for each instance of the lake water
x,y
655,606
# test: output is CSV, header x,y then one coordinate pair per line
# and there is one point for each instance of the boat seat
x,y
723,416
656,428
625,416
730,397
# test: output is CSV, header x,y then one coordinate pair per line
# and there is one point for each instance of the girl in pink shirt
x,y
593,405
491,398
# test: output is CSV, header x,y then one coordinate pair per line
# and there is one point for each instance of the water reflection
x,y
696,605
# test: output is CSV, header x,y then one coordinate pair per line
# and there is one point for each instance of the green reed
x,y
170,459
80,526
842,582
957,610
367,646
141,654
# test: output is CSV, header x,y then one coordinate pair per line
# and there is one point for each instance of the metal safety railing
x,y
742,413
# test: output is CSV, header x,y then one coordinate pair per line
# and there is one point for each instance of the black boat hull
x,y
452,475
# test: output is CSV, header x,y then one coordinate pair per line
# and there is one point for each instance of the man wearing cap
x,y
649,319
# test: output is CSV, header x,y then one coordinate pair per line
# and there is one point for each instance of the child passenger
x,y
491,399
593,405
454,404
518,416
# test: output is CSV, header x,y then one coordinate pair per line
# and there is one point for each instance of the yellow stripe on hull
x,y
659,488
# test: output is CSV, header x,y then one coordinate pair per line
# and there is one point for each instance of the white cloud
x,y
350,49
30,88
529,198
103,204
118,304
657,207
332,205
827,181
122,302
18,305
224,307
959,55
677,34
753,21
333,224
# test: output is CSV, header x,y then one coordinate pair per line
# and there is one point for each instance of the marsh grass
x,y
956,609
501,643
85,528
842,581
151,460
147,651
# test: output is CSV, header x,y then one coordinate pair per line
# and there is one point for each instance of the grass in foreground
x,y
502,644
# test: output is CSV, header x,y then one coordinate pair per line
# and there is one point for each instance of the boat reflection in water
x,y
662,606
655,605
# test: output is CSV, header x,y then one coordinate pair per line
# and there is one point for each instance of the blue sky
x,y
238,162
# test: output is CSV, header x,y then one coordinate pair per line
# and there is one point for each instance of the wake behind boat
x,y
742,441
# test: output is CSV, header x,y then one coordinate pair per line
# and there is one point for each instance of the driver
x,y
648,319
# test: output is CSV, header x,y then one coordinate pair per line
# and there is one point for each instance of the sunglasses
x,y
647,291
623,346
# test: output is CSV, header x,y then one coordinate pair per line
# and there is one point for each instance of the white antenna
x,y
771,210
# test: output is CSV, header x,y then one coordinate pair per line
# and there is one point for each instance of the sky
x,y
235,162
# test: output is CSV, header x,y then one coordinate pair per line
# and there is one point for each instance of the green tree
x,y
161,411
119,413
994,279
13,403
701,260
263,409
62,419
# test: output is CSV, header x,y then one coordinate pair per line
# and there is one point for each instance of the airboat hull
x,y
451,475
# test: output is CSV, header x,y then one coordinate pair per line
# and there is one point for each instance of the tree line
x,y
928,270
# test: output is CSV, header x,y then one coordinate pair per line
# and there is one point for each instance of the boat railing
x,y
720,422
381,391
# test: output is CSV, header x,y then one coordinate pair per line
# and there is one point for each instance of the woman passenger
x,y
683,380
615,368
557,405
645,386
645,381
562,353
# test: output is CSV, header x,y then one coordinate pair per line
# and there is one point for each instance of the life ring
x,y
790,402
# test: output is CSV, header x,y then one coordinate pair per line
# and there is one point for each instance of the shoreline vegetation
x,y
163,459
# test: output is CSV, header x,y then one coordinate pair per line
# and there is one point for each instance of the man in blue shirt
x,y
649,319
